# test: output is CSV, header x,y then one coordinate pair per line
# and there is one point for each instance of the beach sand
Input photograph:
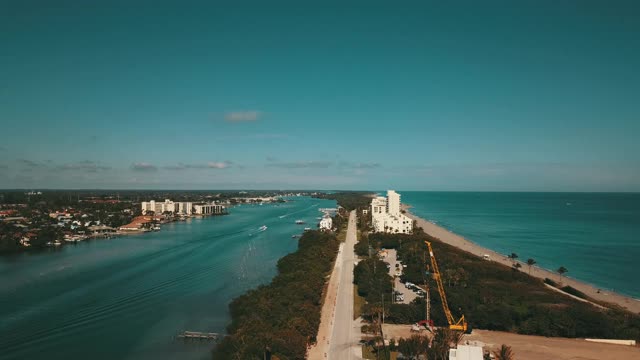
x,y
458,241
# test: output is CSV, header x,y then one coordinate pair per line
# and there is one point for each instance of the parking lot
x,y
392,260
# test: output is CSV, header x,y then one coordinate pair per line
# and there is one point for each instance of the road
x,y
339,334
346,331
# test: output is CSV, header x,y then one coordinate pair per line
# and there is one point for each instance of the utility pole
x,y
383,308
428,307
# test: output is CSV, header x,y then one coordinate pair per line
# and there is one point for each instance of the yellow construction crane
x,y
461,324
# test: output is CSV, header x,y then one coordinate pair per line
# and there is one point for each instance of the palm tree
x,y
530,262
504,353
442,340
562,270
516,266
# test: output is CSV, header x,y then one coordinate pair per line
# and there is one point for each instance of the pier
x,y
197,335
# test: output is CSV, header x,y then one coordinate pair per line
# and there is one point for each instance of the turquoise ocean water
x,y
126,298
596,236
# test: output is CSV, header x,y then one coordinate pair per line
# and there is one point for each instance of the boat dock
x,y
197,335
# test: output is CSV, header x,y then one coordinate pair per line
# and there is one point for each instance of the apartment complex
x,y
182,208
208,209
387,217
185,208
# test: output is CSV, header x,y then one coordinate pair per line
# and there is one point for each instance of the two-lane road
x,y
339,334
346,331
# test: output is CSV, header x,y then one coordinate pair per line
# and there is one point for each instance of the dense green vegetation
x,y
373,280
495,297
349,200
283,316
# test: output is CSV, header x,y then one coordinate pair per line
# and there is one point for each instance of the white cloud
x,y
219,164
243,116
301,164
143,166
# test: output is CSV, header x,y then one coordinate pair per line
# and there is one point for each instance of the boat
x,y
156,228
307,229
299,222
295,236
263,228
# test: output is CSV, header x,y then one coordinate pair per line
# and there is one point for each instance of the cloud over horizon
x,y
242,116
30,163
86,165
301,164
143,166
210,165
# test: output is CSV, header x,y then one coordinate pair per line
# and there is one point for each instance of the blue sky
x,y
542,96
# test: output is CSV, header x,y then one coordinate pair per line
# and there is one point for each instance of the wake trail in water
x,y
296,212
90,313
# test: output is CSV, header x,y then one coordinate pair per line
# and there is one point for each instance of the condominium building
x,y
208,209
185,208
387,217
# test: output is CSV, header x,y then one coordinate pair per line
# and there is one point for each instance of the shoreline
x,y
458,241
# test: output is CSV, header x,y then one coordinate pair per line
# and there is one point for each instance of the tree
x,y
504,353
414,346
513,256
530,262
443,339
562,270
516,266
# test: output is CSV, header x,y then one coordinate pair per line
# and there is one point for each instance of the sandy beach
x,y
460,242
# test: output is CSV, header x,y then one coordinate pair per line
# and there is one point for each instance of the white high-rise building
x,y
387,217
185,208
393,203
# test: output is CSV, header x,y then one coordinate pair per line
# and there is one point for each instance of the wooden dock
x,y
197,335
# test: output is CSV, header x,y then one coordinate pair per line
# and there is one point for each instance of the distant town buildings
x,y
387,217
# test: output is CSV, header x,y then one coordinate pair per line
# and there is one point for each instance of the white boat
x,y
156,228
299,222
263,228
307,229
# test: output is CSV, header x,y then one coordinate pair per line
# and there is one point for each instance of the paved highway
x,y
339,334
346,332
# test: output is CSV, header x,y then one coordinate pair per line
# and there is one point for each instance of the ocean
x,y
596,236
128,297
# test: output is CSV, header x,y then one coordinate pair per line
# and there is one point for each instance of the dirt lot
x,y
528,347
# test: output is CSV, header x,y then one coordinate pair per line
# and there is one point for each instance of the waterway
x,y
128,297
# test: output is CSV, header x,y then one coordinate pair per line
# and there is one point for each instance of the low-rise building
x,y
466,352
326,223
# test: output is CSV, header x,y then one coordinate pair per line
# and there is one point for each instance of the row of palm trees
x,y
530,262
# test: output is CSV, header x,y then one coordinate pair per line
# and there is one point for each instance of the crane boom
x,y
461,324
